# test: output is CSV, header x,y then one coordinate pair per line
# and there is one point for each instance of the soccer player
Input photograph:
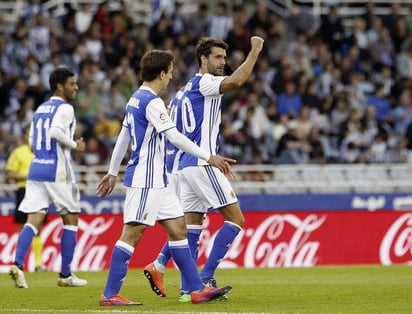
x,y
202,187
149,198
17,167
51,177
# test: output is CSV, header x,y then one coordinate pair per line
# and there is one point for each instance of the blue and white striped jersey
x,y
175,112
201,116
51,160
146,118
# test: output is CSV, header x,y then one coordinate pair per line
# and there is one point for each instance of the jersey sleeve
x,y
209,84
156,113
63,117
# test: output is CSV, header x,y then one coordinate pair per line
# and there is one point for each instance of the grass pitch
x,y
355,289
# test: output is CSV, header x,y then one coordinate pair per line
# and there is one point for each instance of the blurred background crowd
x,y
323,91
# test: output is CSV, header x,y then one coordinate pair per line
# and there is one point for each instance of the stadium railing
x,y
282,179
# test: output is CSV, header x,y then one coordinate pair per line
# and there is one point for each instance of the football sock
x,y
163,258
23,243
223,239
119,264
193,235
183,259
67,245
37,247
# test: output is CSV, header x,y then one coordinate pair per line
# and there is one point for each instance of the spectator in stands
x,y
304,124
369,14
48,67
245,138
400,34
403,112
19,46
161,30
404,63
291,149
381,102
331,30
377,150
93,44
95,153
390,20
6,62
289,102
89,106
220,22
39,37
238,36
260,19
197,22
266,73
31,9
382,49
83,17
361,38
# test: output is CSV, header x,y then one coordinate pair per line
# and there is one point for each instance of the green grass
x,y
357,289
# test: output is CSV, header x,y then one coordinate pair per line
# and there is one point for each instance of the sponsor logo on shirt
x,y
164,117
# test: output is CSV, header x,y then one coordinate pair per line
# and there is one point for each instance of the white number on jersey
x,y
40,125
188,117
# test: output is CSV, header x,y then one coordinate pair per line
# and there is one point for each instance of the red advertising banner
x,y
268,239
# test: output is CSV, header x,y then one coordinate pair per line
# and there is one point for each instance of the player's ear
x,y
203,58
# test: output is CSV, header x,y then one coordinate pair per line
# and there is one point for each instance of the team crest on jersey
x,y
232,194
164,117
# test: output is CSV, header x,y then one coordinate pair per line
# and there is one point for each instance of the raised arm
x,y
242,73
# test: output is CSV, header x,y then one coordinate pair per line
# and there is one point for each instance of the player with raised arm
x,y
202,187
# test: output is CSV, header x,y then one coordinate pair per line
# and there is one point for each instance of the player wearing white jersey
x,y
149,198
51,177
203,188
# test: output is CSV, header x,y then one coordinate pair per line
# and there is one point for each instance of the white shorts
x,y
147,206
173,181
204,188
39,195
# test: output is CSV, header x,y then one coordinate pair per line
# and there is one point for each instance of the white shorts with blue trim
x,y
146,205
204,188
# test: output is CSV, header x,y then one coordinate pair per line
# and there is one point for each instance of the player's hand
x,y
222,163
80,145
256,43
106,185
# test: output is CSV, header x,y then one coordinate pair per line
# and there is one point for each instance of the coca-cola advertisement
x,y
269,239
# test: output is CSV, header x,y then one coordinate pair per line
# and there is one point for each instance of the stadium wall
x,y
275,238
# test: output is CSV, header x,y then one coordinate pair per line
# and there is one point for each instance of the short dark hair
x,y
205,45
154,62
59,76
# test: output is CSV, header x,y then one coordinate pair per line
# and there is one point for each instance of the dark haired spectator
x,y
289,102
161,30
238,37
198,22
291,149
331,30
260,19
382,50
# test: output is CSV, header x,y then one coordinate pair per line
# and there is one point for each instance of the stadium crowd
x,y
324,91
